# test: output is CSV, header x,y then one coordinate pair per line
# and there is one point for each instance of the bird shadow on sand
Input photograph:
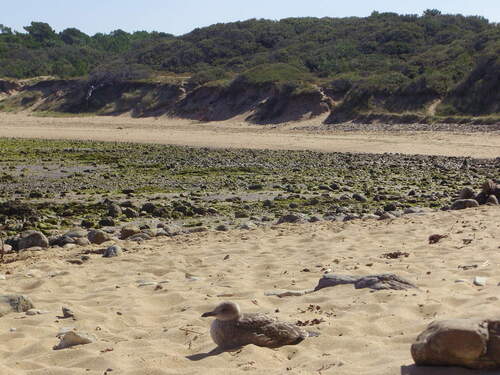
x,y
417,370
211,353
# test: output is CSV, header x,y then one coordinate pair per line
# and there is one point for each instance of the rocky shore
x,y
59,193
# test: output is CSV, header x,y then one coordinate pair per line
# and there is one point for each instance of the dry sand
x,y
234,133
141,330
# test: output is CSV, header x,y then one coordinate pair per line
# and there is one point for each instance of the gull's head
x,y
225,311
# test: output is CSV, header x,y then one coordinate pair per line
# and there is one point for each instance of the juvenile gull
x,y
232,329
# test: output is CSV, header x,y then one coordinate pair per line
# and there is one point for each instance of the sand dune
x,y
145,330
306,135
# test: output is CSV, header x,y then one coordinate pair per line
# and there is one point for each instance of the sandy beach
x,y
144,308
153,330
304,135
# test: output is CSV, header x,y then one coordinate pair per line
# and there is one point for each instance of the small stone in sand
x,y
72,338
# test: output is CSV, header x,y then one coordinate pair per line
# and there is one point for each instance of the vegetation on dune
x,y
386,54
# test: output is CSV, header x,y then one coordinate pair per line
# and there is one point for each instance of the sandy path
x,y
141,330
237,134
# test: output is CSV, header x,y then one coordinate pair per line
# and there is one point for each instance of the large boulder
x,y
14,303
32,239
462,204
472,343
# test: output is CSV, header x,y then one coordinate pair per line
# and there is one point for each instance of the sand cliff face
x,y
257,103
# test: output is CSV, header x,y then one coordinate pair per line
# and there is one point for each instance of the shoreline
x,y
305,135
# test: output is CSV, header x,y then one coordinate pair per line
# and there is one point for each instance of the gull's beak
x,y
207,314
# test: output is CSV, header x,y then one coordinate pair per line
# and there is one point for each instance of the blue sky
x,y
181,16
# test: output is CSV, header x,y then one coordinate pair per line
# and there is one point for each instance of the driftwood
x,y
376,282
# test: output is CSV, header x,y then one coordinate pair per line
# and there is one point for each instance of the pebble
x,y
113,251
480,281
2,277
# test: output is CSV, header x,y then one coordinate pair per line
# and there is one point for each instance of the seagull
x,y
232,329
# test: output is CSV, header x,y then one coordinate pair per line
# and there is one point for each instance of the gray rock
x,y
139,237
76,233
114,210
72,338
247,226
173,230
413,210
492,200
112,251
148,207
82,241
471,343
291,218
386,216
14,303
32,239
128,231
98,236
480,281
130,213
359,197
462,204
222,228
107,222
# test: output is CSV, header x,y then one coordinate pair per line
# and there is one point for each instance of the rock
x,y
462,204
32,239
112,251
386,216
76,233
413,210
14,303
82,241
32,312
467,193
222,228
480,281
128,231
98,236
359,197
87,223
291,218
107,222
67,313
114,210
471,343
130,213
173,230
255,187
72,338
492,200
390,207
148,207
247,226
139,237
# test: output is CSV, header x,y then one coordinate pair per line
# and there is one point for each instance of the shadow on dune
x,y
417,370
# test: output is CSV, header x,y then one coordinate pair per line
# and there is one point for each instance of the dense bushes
x,y
384,52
